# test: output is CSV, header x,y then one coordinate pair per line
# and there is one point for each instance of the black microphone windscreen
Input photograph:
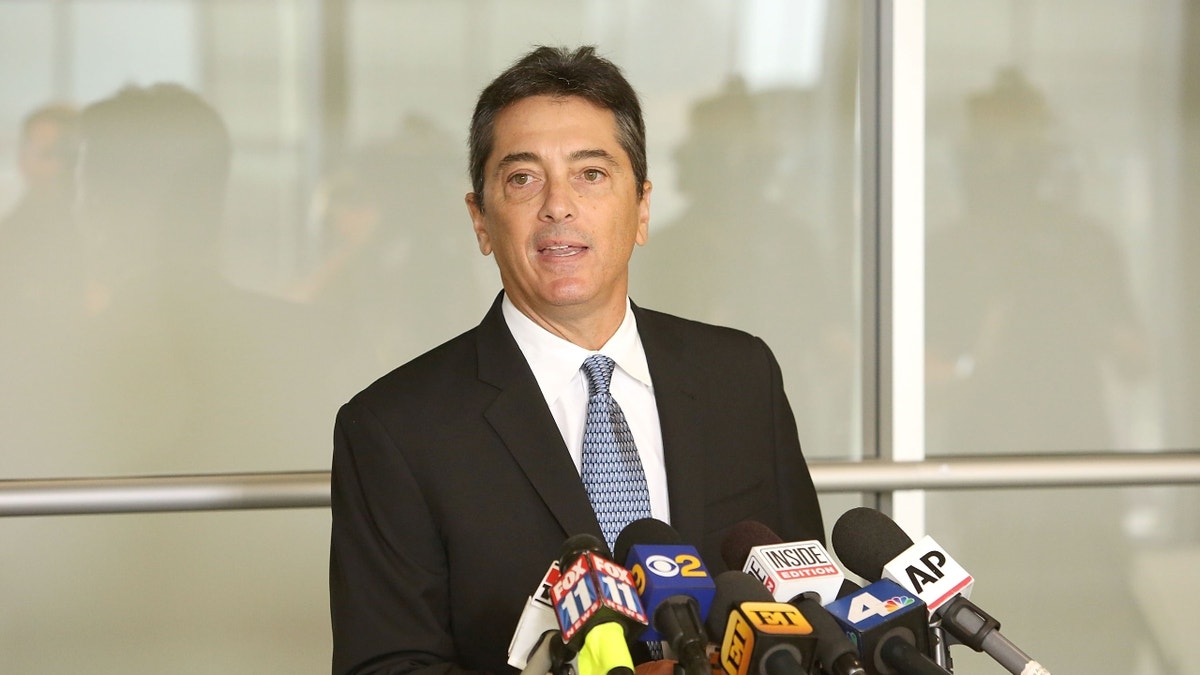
x,y
743,537
643,531
733,588
579,544
865,540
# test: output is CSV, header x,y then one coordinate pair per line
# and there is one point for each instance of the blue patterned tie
x,y
611,470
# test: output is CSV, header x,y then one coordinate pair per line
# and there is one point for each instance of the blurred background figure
x,y
41,289
390,220
1031,321
726,167
1031,332
745,233
152,181
176,369
39,245
47,148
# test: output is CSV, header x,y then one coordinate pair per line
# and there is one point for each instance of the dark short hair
x,y
162,150
162,140
560,72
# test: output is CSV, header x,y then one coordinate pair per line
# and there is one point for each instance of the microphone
x,y
802,574
675,587
604,651
597,607
890,627
786,569
875,547
756,634
548,655
536,620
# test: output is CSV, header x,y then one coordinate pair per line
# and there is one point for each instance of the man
x,y
46,159
457,477
40,282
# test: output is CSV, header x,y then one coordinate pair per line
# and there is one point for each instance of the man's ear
x,y
643,227
479,223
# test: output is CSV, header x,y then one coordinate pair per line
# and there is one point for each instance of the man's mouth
x,y
562,250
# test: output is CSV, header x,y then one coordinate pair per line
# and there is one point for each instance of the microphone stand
x,y
941,644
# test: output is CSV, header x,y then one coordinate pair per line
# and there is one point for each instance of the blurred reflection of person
x,y
41,292
184,373
1029,316
48,146
741,255
197,374
383,218
1030,311
39,245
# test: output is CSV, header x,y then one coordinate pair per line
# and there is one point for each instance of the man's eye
x,y
520,179
592,175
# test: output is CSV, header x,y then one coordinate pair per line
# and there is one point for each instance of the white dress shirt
x,y
556,366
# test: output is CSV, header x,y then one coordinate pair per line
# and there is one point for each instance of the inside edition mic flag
x,y
787,569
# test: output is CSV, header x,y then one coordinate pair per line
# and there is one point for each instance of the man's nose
x,y
558,203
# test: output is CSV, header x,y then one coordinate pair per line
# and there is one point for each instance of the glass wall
x,y
1061,311
160,314
194,276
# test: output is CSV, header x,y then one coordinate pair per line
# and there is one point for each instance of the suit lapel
x,y
520,417
679,415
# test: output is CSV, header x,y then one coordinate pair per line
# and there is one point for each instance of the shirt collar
x,y
556,361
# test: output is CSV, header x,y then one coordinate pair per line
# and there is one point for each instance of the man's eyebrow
x,y
515,157
578,155
594,153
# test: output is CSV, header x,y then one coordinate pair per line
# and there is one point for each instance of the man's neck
x,y
588,328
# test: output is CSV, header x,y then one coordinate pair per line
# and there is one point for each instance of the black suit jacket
x,y
453,489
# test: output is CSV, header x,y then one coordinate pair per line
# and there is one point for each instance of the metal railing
x,y
310,489
160,494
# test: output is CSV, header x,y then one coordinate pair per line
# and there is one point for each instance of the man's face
x,y
560,209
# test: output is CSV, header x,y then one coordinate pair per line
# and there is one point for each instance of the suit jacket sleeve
x,y
382,586
800,509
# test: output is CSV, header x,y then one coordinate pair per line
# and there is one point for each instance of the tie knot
x,y
599,369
